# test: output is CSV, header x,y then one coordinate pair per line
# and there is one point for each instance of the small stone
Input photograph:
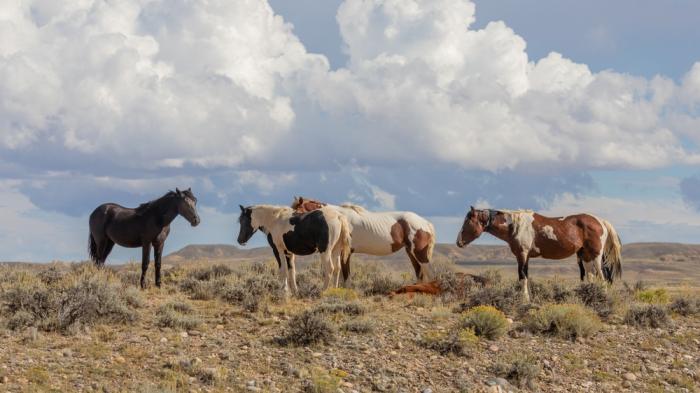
x,y
194,333
4,379
184,335
317,354
427,390
119,359
163,340
67,353
627,384
471,370
630,377
510,321
493,348
219,327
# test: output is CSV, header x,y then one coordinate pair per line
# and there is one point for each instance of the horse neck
x,y
499,228
267,216
165,209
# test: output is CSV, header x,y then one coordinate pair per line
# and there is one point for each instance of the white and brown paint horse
x,y
382,233
289,233
529,235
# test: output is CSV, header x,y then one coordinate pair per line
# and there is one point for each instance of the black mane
x,y
145,207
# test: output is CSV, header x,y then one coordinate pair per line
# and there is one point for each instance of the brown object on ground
x,y
430,288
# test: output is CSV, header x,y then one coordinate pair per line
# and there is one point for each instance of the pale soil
x,y
237,347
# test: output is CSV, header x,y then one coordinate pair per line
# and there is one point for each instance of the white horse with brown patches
x,y
383,233
530,235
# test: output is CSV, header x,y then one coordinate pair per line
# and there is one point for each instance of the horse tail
x,y
345,245
612,253
92,250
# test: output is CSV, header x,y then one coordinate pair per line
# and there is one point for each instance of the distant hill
x,y
470,254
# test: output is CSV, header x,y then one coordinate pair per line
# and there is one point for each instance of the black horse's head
x,y
187,206
247,229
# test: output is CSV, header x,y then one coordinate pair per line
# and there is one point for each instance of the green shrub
x,y
461,342
595,296
307,328
485,321
685,306
340,294
336,306
647,315
321,381
362,325
503,296
568,321
653,296
309,285
211,272
521,370
176,315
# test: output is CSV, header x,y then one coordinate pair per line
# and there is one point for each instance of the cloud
x,y
190,84
635,220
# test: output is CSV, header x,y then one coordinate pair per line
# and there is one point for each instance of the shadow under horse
x,y
147,225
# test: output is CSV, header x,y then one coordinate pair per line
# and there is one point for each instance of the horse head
x,y
187,206
474,225
246,220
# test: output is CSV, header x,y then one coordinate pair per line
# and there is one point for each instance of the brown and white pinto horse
x,y
530,235
382,233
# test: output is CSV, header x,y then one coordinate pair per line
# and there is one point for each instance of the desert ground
x,y
221,323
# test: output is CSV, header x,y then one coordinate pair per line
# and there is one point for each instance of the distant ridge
x,y
473,253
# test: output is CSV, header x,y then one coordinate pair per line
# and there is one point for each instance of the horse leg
x,y
522,275
158,252
415,263
108,245
145,260
336,261
345,266
291,272
582,271
327,268
283,274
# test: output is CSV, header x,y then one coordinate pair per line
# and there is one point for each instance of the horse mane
x,y
356,208
145,207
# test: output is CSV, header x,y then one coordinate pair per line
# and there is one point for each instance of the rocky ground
x,y
231,349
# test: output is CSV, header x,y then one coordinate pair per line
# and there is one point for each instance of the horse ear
x,y
242,208
189,189
177,191
472,208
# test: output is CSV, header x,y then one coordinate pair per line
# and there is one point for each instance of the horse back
x,y
310,233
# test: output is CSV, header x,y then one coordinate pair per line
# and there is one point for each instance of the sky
x,y
422,105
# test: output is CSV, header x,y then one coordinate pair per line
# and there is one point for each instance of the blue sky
x,y
423,105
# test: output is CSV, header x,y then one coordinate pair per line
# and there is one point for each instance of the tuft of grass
x,y
503,296
321,381
653,296
362,325
337,306
647,315
485,321
568,321
595,296
521,370
309,285
176,315
685,306
461,342
210,273
307,328
346,294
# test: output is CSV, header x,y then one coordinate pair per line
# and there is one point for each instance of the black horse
x,y
147,225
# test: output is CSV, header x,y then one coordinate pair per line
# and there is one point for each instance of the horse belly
x,y
371,243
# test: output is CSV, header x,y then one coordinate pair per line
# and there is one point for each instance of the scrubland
x,y
229,327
